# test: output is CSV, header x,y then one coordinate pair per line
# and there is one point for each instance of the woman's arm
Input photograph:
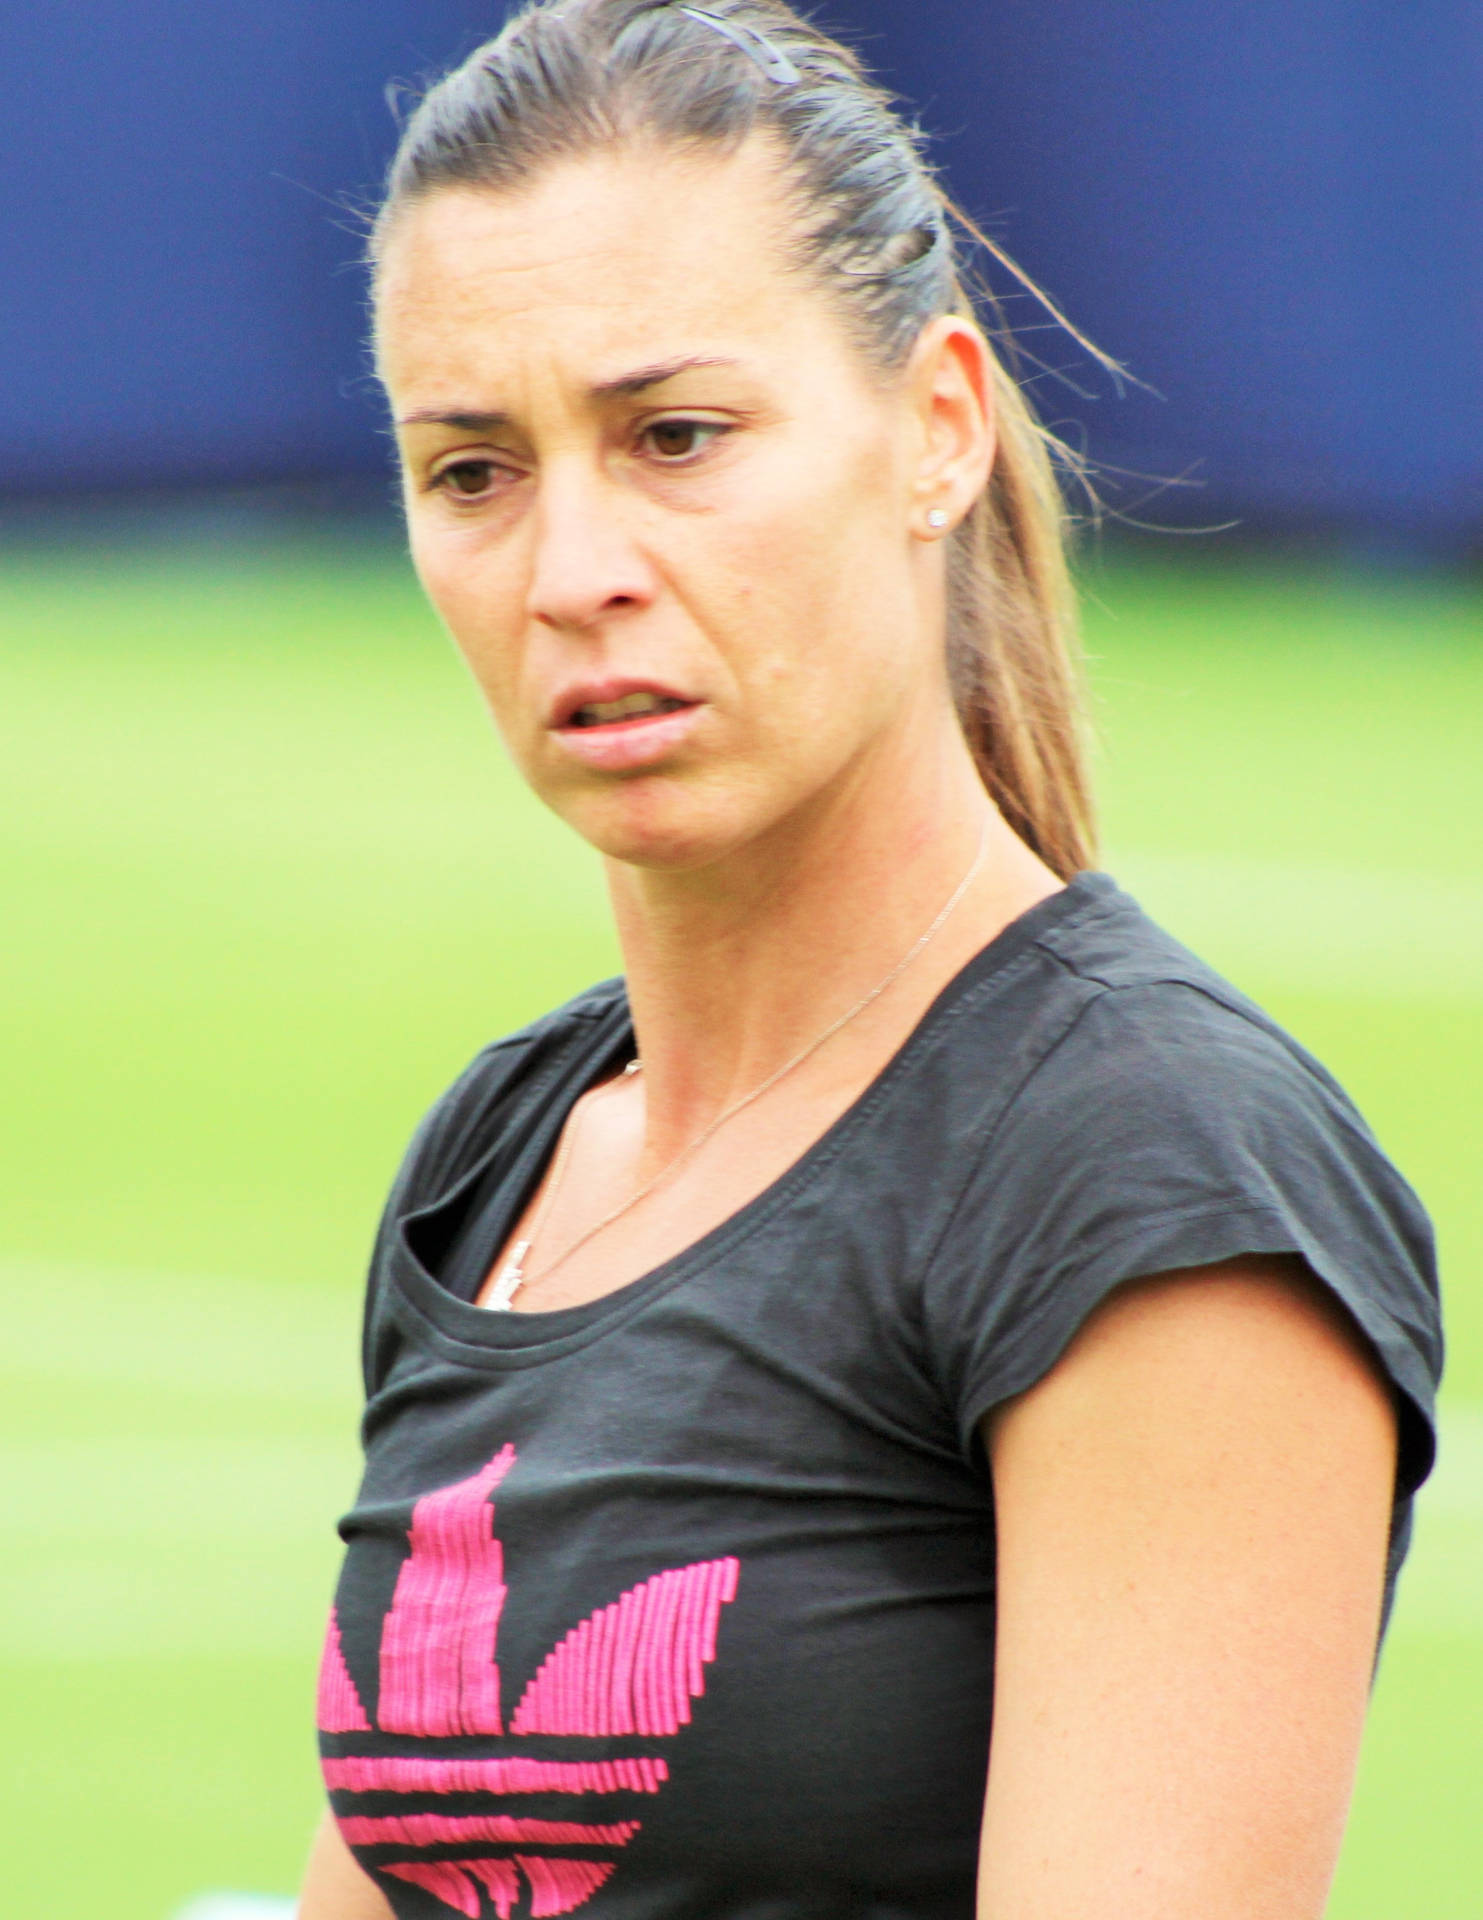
x,y
335,1888
1192,1511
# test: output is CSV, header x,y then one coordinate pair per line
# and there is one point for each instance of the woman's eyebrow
x,y
628,384
623,387
464,419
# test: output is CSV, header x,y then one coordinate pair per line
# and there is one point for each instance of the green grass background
x,y
267,885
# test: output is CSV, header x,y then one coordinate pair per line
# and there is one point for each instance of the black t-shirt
x,y
681,1602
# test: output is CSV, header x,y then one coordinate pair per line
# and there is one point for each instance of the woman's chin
x,y
654,826
674,850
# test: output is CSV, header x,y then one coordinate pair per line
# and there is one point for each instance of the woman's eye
x,y
676,441
468,478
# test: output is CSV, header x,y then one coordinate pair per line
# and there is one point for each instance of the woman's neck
x,y
735,969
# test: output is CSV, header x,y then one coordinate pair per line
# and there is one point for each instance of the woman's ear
x,y
951,382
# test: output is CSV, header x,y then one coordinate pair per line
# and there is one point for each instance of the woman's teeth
x,y
633,706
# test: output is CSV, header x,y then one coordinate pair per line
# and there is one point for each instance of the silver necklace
x,y
513,1275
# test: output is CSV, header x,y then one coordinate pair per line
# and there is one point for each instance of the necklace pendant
x,y
510,1280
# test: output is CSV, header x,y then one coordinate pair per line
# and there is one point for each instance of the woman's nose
x,y
586,563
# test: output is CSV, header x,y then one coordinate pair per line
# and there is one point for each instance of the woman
x,y
920,1292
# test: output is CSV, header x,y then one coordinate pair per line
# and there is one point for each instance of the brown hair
x,y
876,230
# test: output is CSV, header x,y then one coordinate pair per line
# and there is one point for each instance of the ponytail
x,y
1013,645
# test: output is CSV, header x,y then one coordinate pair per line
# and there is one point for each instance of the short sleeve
x,y
1169,1129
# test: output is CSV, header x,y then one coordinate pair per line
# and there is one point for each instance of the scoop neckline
x,y
478,1336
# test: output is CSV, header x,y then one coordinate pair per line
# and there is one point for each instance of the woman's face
x,y
670,518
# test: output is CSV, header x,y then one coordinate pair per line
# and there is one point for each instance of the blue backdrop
x,y
1271,209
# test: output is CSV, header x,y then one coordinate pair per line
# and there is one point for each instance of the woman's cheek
x,y
473,607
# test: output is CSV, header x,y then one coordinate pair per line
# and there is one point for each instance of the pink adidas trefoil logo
x,y
630,1668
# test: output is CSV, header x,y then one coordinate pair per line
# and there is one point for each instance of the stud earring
x,y
937,519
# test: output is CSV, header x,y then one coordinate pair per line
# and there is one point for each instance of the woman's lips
x,y
623,743
642,703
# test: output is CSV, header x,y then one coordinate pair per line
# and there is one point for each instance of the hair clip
x,y
756,45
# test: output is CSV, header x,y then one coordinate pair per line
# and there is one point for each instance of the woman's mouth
x,y
630,706
627,730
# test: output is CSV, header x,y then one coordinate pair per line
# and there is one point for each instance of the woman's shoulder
x,y
1160,1120
460,1125
1088,1033
1162,1090
1141,1014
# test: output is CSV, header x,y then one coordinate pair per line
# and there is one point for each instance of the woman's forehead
x,y
629,250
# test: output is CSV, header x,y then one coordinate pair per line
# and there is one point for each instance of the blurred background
x,y
267,883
